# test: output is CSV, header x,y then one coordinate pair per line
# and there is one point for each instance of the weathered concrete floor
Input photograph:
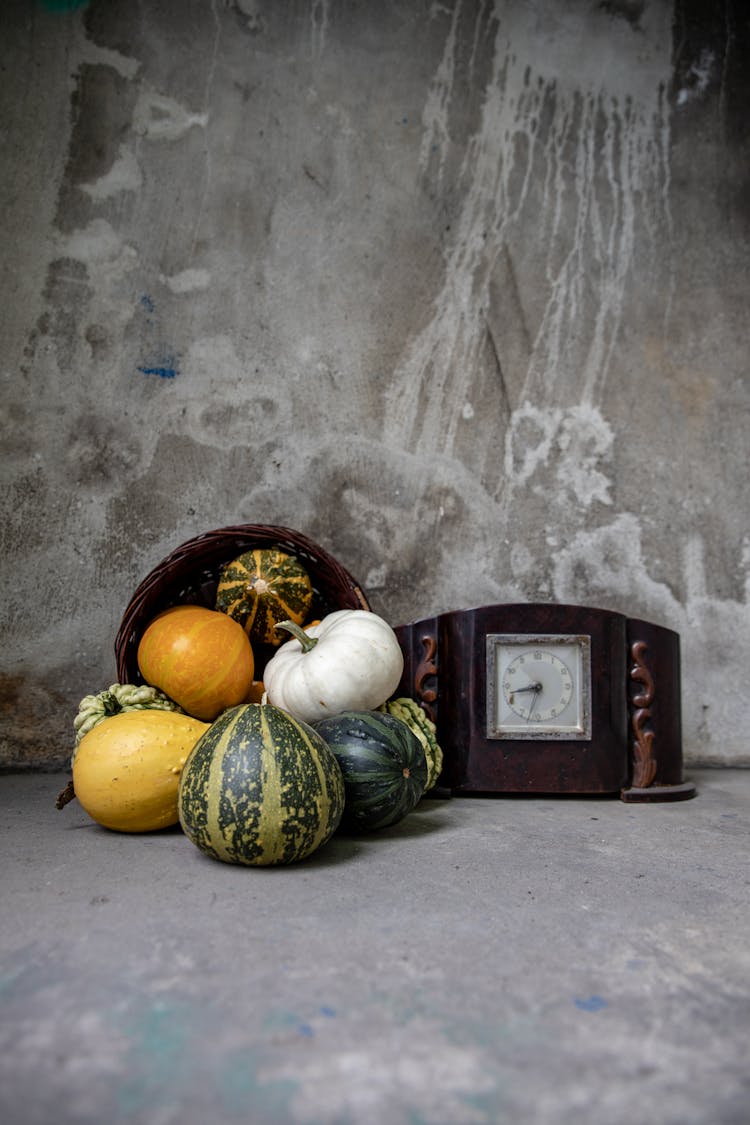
x,y
525,961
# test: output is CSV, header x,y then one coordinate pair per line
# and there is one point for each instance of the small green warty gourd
x,y
409,712
94,709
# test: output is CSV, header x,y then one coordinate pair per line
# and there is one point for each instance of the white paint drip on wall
x,y
94,55
124,175
376,578
319,16
569,444
435,135
601,151
597,253
699,77
609,563
108,260
610,560
585,439
521,560
100,247
187,281
252,10
528,441
207,96
157,117
695,574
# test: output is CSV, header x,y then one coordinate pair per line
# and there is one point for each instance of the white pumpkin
x,y
350,661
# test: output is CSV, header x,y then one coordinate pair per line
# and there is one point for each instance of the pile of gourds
x,y
257,771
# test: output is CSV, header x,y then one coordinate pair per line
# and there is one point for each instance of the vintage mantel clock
x,y
550,699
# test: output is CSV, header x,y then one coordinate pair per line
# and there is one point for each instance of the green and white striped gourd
x,y
260,788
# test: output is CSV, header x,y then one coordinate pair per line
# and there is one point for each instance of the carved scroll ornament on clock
x,y
426,670
644,760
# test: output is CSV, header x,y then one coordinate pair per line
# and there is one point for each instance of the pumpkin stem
x,y
304,638
65,796
110,703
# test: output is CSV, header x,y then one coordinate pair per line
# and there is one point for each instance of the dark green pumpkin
x,y
260,788
383,764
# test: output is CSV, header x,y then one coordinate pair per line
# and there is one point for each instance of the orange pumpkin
x,y
201,658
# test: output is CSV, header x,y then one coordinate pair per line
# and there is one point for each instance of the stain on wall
x,y
458,290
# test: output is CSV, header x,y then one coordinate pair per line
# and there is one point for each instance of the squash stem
x,y
304,638
110,703
65,796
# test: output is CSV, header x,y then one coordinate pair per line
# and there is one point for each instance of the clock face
x,y
538,686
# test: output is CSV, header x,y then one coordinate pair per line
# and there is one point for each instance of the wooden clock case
x,y
635,748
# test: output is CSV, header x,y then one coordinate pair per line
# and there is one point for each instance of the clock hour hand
x,y
535,687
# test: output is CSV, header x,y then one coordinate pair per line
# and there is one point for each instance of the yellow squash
x,y
127,768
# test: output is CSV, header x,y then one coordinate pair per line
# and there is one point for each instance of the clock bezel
x,y
496,730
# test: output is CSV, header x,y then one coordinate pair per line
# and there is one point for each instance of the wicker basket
x,y
190,575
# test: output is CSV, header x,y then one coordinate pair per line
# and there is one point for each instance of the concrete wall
x,y
459,290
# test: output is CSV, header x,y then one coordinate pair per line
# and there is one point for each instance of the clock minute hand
x,y
535,688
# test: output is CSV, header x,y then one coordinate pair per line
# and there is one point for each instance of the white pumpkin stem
x,y
304,638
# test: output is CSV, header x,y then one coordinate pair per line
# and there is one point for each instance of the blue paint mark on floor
x,y
159,1034
247,1096
591,1003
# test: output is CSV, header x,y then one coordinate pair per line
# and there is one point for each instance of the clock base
x,y
682,792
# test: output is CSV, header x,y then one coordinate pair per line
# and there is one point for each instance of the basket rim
x,y
203,548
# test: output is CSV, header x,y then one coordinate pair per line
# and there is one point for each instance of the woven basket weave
x,y
190,575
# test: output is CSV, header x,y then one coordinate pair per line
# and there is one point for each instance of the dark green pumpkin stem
x,y
304,638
